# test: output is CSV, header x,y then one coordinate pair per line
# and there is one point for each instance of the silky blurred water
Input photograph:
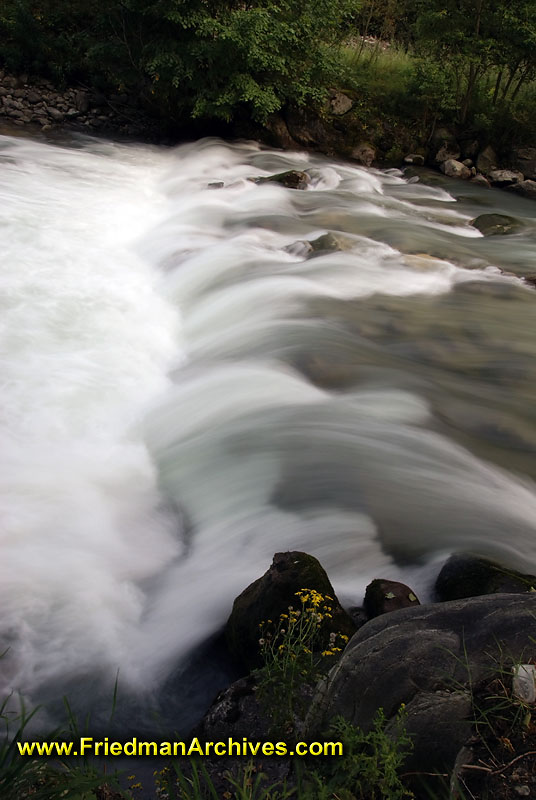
x,y
186,390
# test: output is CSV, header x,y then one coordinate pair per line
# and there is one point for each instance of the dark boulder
x,y
236,712
418,657
271,595
497,224
382,597
487,160
467,575
524,159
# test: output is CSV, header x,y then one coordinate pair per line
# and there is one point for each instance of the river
x,y
186,390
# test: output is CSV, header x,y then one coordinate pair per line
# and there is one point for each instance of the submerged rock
x,y
467,575
292,179
497,224
271,595
332,242
383,596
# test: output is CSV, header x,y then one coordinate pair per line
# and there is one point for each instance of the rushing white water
x,y
185,392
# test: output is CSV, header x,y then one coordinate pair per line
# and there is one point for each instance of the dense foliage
x,y
202,57
464,61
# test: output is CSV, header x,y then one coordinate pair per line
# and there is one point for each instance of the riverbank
x,y
338,132
428,701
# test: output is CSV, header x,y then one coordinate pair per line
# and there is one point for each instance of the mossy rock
x,y
497,224
468,575
292,179
271,595
331,243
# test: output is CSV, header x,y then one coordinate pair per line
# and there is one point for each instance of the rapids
x,y
186,392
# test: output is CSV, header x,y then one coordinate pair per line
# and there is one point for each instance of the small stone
x,y
522,791
56,115
340,103
383,596
215,185
481,181
414,158
468,162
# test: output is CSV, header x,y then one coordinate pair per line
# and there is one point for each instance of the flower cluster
x,y
294,647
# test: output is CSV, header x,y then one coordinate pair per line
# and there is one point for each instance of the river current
x,y
187,389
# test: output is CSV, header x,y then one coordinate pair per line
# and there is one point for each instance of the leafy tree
x,y
210,57
476,38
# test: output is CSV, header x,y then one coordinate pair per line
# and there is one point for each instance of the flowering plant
x,y
296,650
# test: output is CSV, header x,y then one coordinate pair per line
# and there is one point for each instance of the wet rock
x,y
271,595
504,177
331,242
215,185
293,179
487,160
383,596
468,575
524,188
364,154
55,114
481,181
414,158
497,224
408,656
455,169
340,103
